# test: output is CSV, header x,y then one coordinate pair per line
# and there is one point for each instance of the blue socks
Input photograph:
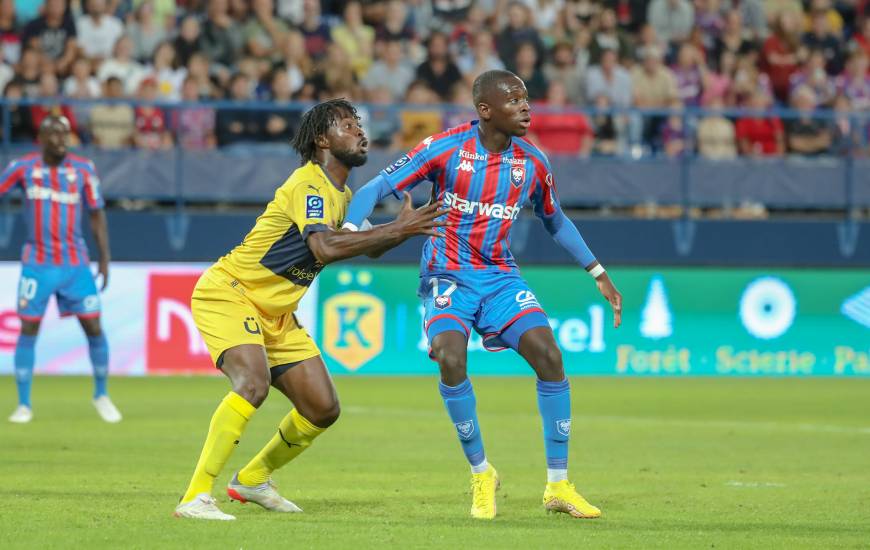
x,y
462,408
98,348
25,355
554,402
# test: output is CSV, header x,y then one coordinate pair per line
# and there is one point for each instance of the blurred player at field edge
x,y
244,307
485,172
55,257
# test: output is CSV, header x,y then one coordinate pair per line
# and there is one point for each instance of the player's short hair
x,y
486,82
316,121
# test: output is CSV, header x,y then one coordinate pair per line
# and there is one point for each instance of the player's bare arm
x,y
608,290
332,246
100,229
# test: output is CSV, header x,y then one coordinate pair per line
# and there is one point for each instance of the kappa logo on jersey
x,y
428,141
466,166
314,207
518,175
353,325
526,299
401,161
465,206
465,429
549,180
564,426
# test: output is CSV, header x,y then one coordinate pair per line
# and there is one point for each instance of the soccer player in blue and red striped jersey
x,y
55,257
484,172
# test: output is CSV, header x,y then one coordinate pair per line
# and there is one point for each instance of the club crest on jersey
x,y
314,207
442,302
564,426
518,175
465,429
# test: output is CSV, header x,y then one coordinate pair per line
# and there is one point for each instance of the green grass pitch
x,y
673,463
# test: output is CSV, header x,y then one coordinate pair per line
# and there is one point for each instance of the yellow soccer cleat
x,y
483,488
561,496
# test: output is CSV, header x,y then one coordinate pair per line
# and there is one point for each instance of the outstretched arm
x,y
100,229
331,246
364,202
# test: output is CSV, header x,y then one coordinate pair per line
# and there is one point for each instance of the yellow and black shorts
x,y
226,319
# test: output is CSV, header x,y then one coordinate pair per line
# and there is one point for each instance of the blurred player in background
x,y
485,172
55,257
244,307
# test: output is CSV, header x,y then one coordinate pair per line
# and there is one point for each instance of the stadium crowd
x,y
586,62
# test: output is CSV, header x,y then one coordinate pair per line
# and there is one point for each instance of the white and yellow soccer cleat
x,y
203,506
264,494
483,488
561,496
21,415
107,410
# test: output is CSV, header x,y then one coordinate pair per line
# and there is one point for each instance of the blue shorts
x,y
73,286
497,305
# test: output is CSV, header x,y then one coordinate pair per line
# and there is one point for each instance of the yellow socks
x,y
295,434
227,425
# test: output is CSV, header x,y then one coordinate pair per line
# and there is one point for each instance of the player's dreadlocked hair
x,y
316,121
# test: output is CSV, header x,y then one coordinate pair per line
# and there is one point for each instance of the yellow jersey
x,y
273,267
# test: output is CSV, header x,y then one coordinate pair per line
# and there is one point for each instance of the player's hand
x,y
420,221
605,286
103,271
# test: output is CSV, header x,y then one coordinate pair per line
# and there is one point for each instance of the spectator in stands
x,y
608,36
558,130
674,137
113,124
748,80
438,71
854,83
384,123
630,14
194,125
207,86
281,122
7,73
146,32
717,83
49,89
606,129
527,68
151,129
647,38
779,56
463,34
357,38
189,39
564,68
716,137
165,71
263,31
27,72
334,74
481,57
689,73
672,19
80,84
222,38
396,25
734,37
709,21
315,30
820,38
20,123
752,16
98,31
391,72
294,60
813,75
860,40
758,136
611,80
53,34
238,125
654,87
519,29
845,139
806,135
122,66
10,33
823,8
417,125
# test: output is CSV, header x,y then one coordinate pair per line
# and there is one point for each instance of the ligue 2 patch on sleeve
x,y
314,207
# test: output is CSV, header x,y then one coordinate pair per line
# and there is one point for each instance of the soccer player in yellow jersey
x,y
243,305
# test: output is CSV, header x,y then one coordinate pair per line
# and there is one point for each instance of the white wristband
x,y
596,271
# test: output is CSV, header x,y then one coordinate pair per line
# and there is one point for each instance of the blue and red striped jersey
x,y
53,205
484,192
